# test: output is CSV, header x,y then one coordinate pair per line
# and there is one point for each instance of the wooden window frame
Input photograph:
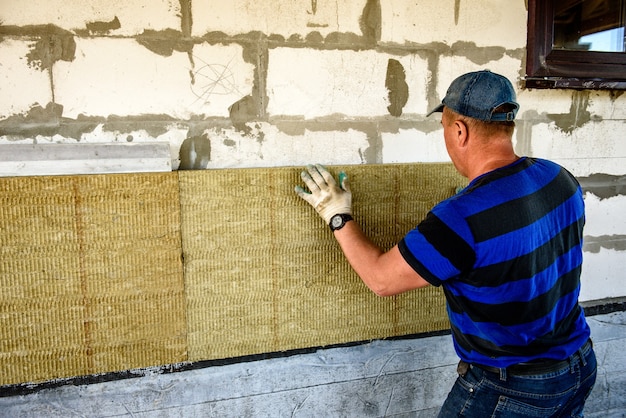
x,y
556,68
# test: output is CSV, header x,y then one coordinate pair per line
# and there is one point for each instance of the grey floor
x,y
402,378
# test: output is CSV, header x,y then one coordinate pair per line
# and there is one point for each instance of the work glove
x,y
325,195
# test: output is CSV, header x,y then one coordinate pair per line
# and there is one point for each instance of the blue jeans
x,y
560,393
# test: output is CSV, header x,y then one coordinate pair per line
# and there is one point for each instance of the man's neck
x,y
490,158
497,163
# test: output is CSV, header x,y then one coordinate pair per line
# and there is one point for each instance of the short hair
x,y
486,128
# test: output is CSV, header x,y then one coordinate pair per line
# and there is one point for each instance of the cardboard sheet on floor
x,y
91,275
264,273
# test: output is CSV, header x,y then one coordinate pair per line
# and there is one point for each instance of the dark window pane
x,y
589,25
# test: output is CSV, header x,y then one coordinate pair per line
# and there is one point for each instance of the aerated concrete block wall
x,y
245,83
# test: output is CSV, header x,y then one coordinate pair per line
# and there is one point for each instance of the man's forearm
x,y
385,273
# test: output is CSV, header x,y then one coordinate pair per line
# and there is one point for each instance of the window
x,y
576,44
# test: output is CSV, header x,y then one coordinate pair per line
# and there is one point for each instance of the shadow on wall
x,y
195,153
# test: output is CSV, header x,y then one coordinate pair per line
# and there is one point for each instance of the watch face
x,y
336,221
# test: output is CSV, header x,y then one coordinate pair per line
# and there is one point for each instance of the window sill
x,y
573,83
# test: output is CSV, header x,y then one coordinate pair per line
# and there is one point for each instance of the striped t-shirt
x,y
507,251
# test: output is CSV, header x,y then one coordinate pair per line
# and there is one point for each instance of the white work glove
x,y
326,197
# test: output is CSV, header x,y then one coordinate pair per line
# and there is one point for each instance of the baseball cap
x,y
478,94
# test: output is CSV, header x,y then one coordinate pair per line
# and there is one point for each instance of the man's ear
x,y
462,133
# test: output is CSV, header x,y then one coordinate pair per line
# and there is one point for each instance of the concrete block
x,y
410,145
121,77
587,166
568,139
280,18
535,104
23,85
267,146
450,67
133,16
483,22
604,215
607,105
313,83
134,133
418,78
489,22
600,279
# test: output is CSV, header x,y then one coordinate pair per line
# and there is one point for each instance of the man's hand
x,y
326,197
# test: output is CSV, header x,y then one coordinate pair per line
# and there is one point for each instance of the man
x,y
507,251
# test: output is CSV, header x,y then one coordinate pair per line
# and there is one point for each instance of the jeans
x,y
560,393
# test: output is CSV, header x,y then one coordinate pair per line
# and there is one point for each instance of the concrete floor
x,y
401,378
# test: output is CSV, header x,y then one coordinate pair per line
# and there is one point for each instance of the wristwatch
x,y
338,221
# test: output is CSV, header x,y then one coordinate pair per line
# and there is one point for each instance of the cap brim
x,y
437,109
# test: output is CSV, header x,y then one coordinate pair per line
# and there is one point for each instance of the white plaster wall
x,y
285,18
534,103
231,149
135,16
22,83
591,148
450,67
312,84
603,274
409,146
139,82
483,22
319,83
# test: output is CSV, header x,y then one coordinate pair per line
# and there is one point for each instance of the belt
x,y
537,367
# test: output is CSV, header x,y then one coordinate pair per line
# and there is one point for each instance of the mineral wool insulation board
x,y
264,274
105,273
91,275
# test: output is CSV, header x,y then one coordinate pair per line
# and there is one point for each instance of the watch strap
x,y
345,217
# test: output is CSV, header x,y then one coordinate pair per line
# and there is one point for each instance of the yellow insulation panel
x,y
108,273
91,275
264,273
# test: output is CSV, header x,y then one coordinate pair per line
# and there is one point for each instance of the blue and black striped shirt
x,y
507,251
